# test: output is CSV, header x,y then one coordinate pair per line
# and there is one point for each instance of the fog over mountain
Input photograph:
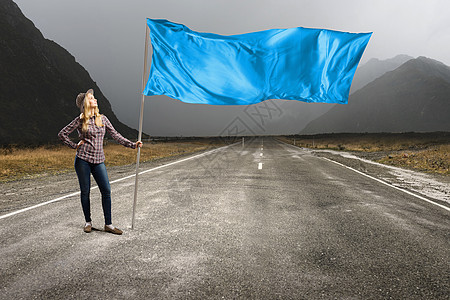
x,y
375,68
413,97
107,38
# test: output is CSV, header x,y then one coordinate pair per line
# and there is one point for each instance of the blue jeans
x,y
84,170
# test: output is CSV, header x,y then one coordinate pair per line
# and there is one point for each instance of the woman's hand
x,y
139,144
80,143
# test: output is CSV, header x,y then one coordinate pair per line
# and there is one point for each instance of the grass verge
x,y
426,152
18,163
433,160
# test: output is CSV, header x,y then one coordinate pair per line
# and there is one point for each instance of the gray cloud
x,y
107,38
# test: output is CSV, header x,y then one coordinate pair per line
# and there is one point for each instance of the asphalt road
x,y
264,221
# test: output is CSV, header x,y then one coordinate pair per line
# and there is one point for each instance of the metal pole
x,y
141,119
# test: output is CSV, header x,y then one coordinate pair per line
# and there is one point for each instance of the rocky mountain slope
x,y
375,68
39,83
413,97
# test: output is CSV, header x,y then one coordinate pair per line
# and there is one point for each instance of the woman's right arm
x,y
64,133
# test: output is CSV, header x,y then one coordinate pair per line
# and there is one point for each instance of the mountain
x,y
304,113
413,97
39,83
375,68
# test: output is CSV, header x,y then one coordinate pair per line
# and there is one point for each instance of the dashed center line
x,y
260,155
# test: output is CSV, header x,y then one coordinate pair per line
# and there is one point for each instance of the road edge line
x,y
388,184
111,182
378,180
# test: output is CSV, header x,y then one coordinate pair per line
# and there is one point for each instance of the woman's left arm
x,y
117,136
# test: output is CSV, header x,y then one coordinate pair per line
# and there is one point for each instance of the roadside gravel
x,y
432,186
19,194
23,193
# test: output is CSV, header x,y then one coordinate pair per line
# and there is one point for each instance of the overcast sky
x,y
107,38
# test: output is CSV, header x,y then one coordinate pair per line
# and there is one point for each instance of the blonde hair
x,y
87,114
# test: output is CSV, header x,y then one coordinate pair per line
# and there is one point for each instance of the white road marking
x,y
390,185
376,179
259,166
114,181
260,154
41,204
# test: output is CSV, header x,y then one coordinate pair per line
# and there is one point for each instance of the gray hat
x,y
80,99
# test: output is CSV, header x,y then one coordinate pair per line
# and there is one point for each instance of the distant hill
x,y
366,73
413,97
39,83
375,68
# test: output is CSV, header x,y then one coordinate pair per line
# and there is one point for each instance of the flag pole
x,y
141,119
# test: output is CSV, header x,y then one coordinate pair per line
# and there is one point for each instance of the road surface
x,y
263,221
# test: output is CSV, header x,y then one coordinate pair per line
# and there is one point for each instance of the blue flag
x,y
311,65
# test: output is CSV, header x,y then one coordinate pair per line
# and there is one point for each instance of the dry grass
x,y
428,152
425,152
369,142
17,163
436,159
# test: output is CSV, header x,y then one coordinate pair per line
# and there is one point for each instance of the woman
x,y
91,127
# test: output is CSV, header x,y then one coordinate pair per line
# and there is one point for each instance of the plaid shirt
x,y
92,149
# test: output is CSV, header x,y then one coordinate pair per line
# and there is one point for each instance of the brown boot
x,y
87,228
114,231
